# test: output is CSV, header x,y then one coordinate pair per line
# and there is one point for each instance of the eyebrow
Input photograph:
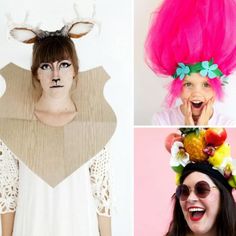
x,y
45,63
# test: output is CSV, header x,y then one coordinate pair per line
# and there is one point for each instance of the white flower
x,y
234,167
178,155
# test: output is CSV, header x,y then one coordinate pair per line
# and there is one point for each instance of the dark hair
x,y
225,220
52,49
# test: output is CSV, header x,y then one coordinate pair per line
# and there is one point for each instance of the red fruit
x,y
170,139
215,136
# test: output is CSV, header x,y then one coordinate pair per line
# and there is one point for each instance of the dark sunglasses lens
x,y
202,189
182,192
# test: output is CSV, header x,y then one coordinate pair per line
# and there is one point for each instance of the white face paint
x,y
56,78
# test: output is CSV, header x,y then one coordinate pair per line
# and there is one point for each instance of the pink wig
x,y
192,31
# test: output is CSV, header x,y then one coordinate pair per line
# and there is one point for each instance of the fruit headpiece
x,y
193,36
203,150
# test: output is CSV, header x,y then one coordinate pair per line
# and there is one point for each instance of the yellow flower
x,y
220,154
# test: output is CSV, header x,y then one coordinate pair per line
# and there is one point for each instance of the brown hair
x,y
225,220
51,49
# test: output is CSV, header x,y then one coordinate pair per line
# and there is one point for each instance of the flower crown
x,y
196,145
205,68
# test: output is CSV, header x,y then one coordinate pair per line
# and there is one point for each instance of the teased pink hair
x,y
192,31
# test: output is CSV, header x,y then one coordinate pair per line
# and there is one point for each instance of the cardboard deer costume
x,y
54,153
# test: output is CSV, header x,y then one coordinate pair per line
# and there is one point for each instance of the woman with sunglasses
x,y
203,202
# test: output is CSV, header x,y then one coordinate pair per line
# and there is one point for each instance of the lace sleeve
x,y
99,176
8,180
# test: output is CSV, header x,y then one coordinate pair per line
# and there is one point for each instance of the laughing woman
x,y
79,204
204,204
203,201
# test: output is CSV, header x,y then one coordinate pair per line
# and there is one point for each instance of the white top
x,y
174,116
69,209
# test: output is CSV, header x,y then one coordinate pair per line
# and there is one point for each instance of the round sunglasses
x,y
201,190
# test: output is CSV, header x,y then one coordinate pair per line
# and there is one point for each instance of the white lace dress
x,y
69,209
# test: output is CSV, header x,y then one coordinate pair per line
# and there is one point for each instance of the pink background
x,y
154,181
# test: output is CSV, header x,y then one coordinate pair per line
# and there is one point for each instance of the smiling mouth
x,y
57,86
197,104
196,214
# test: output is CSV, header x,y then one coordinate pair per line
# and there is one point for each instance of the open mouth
x,y
197,104
196,214
57,86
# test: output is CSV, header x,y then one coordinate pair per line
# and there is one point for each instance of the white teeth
x,y
195,209
196,102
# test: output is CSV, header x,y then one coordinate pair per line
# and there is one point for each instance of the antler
x,y
23,32
12,24
80,26
28,34
76,10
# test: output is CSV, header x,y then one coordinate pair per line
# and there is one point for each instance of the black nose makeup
x,y
55,80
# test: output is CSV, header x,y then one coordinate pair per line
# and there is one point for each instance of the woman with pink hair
x,y
194,41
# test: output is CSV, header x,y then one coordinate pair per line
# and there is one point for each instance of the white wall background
x,y
149,91
112,49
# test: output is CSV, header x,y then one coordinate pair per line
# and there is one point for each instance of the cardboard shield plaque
x,y
54,153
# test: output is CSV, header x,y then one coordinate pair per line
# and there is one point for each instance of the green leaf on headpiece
x,y
232,181
185,131
177,169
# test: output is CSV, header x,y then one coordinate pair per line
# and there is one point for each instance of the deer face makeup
x,y
56,78
54,134
56,72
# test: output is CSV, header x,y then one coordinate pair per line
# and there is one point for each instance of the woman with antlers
x,y
80,205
